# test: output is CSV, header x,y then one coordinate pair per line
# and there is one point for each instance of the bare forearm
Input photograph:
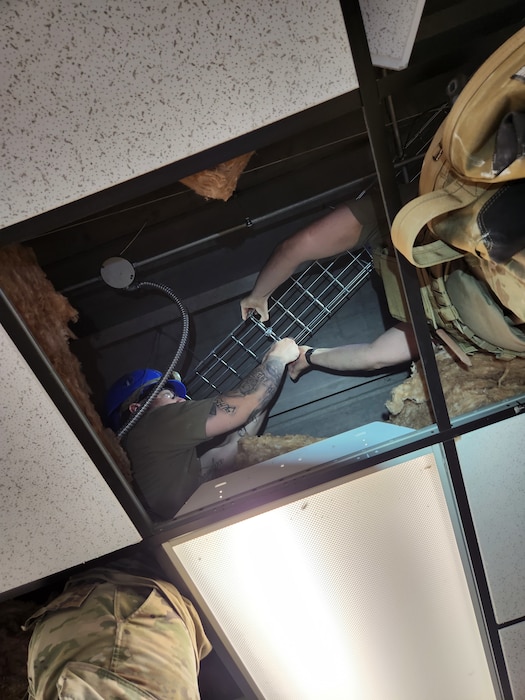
x,y
329,235
332,234
395,346
344,358
277,270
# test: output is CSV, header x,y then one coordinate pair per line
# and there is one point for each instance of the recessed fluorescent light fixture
x,y
357,588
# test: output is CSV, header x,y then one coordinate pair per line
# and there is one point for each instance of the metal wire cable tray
x,y
305,302
307,299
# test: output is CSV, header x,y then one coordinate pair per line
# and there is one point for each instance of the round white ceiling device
x,y
118,273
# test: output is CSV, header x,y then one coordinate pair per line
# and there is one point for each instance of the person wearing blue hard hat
x,y
166,447
131,389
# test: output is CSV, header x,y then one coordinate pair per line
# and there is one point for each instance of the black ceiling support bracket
x,y
375,122
94,204
474,551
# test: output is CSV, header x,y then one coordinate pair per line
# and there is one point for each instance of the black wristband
x,y
307,356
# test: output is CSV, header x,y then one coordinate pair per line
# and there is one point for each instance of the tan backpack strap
x,y
415,215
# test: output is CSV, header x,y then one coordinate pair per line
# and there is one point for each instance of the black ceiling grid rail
x,y
90,205
476,561
374,119
332,470
372,108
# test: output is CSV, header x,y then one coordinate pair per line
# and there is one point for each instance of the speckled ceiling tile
x,y
57,510
513,642
96,93
391,28
492,467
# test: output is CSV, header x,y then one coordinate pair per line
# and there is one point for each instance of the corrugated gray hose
x,y
167,374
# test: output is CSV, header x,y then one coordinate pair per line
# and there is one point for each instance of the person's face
x,y
165,397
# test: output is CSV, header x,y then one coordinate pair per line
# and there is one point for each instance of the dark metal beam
x,y
336,469
467,523
373,110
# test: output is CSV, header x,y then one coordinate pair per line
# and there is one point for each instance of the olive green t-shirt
x,y
162,448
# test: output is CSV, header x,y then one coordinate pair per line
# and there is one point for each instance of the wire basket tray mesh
x,y
306,301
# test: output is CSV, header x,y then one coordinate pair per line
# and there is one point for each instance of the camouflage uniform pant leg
x,y
121,642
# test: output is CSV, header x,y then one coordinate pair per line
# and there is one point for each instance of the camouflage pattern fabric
x,y
115,636
507,281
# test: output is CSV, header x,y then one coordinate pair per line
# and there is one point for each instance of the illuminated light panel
x,y
355,591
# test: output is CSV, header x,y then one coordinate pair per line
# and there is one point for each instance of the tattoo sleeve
x,y
264,380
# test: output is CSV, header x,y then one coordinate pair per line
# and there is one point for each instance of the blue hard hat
x,y
131,387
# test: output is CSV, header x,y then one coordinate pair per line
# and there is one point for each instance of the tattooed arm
x,y
249,399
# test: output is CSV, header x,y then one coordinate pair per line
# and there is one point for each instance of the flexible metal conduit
x,y
182,344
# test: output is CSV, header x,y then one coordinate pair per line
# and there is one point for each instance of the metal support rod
x,y
395,131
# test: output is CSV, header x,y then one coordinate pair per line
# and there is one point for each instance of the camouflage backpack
x,y
465,232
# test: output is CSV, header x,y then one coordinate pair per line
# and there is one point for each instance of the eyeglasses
x,y
166,394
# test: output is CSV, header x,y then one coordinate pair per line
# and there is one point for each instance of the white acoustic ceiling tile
x,y
57,510
96,93
391,29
